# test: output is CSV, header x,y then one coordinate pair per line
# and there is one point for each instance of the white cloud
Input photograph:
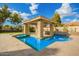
x,y
69,20
14,11
25,15
33,8
75,9
65,10
0,8
9,9
74,20
66,20
77,15
22,14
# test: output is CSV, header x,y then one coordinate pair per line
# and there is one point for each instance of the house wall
x,y
69,28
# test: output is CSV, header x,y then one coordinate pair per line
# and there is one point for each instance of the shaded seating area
x,y
40,27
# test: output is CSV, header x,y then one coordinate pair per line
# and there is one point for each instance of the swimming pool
x,y
41,44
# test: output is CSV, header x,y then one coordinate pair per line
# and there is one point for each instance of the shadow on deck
x,y
31,52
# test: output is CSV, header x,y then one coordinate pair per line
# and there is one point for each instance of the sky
x,y
68,12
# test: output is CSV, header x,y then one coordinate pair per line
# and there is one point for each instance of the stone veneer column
x,y
51,30
39,30
26,29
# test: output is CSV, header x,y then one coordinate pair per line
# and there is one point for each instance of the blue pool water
x,y
41,44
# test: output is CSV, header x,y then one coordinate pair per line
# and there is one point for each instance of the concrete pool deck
x,y
11,46
9,43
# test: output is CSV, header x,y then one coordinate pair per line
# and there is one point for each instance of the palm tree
x,y
15,18
4,14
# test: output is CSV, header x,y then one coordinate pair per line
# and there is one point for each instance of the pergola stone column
x,y
26,29
39,30
51,29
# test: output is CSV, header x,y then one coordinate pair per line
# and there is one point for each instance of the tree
x,y
6,27
4,14
56,20
65,29
15,18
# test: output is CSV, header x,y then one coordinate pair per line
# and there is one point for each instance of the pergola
x,y
39,24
